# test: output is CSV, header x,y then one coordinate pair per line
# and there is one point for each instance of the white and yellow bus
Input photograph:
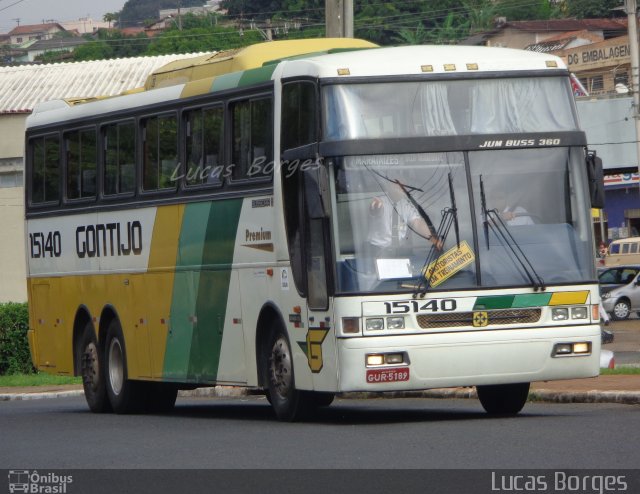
x,y
217,227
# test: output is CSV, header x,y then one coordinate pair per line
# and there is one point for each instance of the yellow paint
x,y
480,319
315,337
251,57
569,298
141,300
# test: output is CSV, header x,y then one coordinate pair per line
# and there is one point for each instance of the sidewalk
x,y
603,389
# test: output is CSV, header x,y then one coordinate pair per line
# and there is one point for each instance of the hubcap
x,y
116,366
621,310
90,368
280,367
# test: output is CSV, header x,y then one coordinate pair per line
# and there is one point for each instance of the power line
x,y
11,5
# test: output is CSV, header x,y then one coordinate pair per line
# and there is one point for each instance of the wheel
x,y
125,396
621,310
92,371
160,397
288,403
503,399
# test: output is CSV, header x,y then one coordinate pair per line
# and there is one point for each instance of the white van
x,y
623,251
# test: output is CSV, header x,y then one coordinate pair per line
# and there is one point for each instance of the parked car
x,y
622,298
610,278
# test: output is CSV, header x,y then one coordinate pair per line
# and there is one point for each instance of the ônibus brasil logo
x,y
36,483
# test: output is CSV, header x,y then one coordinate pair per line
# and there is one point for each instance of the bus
x,y
217,227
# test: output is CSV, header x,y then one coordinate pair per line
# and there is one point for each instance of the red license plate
x,y
376,376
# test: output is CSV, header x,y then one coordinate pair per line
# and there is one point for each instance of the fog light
x,y
579,313
393,358
583,347
374,324
560,314
395,322
563,349
350,325
375,359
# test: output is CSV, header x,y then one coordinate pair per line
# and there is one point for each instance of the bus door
x,y
320,340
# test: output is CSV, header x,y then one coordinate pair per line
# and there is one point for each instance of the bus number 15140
x,y
45,245
434,305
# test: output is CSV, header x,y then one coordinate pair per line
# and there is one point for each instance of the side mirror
x,y
595,175
316,188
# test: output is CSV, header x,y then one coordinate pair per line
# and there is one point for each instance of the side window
x,y
634,248
299,115
119,159
45,173
204,144
625,248
252,152
614,249
160,153
81,163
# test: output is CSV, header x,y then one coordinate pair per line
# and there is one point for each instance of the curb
x,y
541,395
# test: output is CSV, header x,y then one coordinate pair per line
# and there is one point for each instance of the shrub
x,y
14,346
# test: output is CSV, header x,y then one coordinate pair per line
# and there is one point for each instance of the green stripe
x,y
494,302
256,76
532,300
226,81
200,291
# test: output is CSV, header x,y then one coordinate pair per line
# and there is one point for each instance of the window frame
x,y
140,145
103,162
29,185
65,166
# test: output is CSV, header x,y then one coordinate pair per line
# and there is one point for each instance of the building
x,y
49,45
23,34
85,25
21,88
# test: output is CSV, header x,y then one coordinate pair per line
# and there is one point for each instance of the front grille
x,y
494,318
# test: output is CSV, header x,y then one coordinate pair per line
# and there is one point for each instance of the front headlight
x,y
605,295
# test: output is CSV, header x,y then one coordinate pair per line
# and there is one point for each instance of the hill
x,y
137,12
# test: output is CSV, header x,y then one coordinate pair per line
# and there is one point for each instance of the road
x,y
376,433
626,344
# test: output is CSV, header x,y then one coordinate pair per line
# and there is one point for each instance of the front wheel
x,y
503,399
621,310
288,403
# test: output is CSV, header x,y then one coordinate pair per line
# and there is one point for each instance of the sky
x,y
35,11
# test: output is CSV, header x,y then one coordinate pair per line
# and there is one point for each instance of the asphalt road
x,y
626,344
378,433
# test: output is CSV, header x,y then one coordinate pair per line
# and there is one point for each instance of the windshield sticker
x,y
449,264
389,269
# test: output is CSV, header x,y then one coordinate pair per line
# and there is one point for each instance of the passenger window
x,y
614,249
634,248
45,177
299,115
204,141
119,159
252,153
81,164
625,248
160,154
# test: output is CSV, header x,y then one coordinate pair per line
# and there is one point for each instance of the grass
x,y
620,371
39,379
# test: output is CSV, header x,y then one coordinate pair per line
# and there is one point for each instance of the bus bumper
x,y
466,358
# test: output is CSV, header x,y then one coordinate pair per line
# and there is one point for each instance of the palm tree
x,y
110,17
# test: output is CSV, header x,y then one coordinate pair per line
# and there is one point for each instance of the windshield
x,y
446,108
419,222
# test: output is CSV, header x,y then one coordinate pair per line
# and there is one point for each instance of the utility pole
x,y
632,21
339,18
179,16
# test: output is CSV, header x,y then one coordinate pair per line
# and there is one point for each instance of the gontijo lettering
x,y
109,239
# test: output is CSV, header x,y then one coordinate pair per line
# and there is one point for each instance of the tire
x,y
289,404
621,310
503,399
125,396
160,397
92,371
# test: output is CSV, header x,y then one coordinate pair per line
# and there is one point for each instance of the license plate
x,y
376,376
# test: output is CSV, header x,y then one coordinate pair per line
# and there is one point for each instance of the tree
x,y
590,9
110,17
517,10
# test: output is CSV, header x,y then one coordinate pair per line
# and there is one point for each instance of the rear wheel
x,y
288,403
125,396
503,399
621,310
92,371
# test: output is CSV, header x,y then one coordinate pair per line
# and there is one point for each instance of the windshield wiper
x,y
449,218
493,221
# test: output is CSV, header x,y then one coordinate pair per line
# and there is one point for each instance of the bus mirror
x,y
316,183
596,180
